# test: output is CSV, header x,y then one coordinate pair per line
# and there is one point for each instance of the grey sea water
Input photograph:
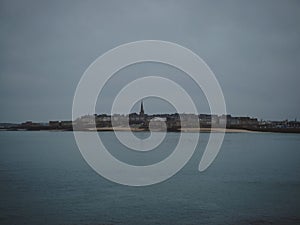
x,y
254,180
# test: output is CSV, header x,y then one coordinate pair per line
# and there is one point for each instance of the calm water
x,y
254,180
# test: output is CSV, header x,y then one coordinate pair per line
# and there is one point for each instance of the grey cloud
x,y
252,46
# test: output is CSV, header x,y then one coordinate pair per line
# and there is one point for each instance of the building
x,y
142,113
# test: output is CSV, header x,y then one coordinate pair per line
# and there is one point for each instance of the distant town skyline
x,y
252,47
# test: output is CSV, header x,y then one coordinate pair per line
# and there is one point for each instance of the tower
x,y
142,110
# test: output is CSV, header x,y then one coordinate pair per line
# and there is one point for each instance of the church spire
x,y
142,109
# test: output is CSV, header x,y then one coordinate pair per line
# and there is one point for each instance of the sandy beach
x,y
207,130
217,130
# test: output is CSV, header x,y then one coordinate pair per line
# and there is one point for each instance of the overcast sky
x,y
253,47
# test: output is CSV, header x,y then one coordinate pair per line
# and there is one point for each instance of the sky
x,y
253,48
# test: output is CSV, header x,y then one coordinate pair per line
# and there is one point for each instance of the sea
x,y
255,179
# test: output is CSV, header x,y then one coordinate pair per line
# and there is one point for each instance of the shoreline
x,y
136,129
125,129
217,130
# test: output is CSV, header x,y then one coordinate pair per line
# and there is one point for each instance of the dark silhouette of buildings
x,y
173,122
